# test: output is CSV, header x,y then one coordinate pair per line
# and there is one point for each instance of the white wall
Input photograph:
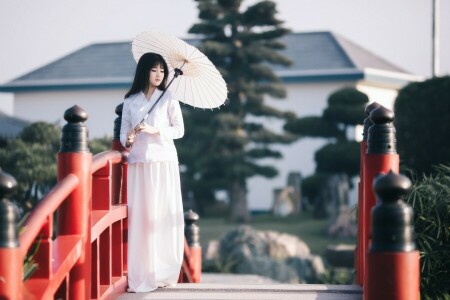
x,y
305,100
385,97
7,103
50,107
308,99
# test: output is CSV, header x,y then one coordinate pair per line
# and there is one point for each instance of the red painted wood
x,y
102,219
45,207
95,274
196,264
101,191
91,245
392,276
117,249
105,257
359,251
11,273
74,217
374,165
67,251
117,287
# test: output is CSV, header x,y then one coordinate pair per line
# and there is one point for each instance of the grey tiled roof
x,y
314,54
10,126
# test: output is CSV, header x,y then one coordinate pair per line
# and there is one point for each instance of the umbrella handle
x,y
177,72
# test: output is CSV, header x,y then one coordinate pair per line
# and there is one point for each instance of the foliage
x,y
338,158
311,185
222,149
31,159
29,264
100,144
338,276
345,109
430,199
313,126
422,117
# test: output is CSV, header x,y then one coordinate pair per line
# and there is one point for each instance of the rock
x,y
282,245
280,256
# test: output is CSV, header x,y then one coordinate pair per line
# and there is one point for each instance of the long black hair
x,y
141,77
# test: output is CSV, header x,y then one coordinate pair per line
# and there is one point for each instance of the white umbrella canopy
x,y
200,84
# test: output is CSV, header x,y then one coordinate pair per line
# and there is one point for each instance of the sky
x,y
34,33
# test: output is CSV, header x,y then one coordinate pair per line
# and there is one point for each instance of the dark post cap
x,y
74,137
381,135
367,122
119,109
8,185
391,187
191,230
190,216
371,106
9,235
392,219
381,115
75,114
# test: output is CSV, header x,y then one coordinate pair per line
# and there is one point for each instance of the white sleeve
x,y
176,128
125,126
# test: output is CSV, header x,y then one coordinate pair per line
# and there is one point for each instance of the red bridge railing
x,y
386,260
86,258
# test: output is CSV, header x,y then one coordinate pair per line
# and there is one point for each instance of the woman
x,y
155,211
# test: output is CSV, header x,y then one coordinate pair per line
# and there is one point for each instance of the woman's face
x,y
156,75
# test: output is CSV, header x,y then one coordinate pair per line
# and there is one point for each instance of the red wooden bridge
x,y
87,257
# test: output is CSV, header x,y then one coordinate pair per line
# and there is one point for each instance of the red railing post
x,y
359,254
192,235
393,263
381,158
74,214
119,175
10,256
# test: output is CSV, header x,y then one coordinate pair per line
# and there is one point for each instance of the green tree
x,y
422,121
31,159
221,148
100,144
345,109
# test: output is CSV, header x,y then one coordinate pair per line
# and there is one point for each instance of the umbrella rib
x,y
206,91
213,93
192,92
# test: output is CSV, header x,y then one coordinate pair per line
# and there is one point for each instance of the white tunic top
x,y
166,116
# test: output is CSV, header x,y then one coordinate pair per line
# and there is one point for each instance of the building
x,y
96,78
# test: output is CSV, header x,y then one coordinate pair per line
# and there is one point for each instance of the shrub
x,y
430,199
422,120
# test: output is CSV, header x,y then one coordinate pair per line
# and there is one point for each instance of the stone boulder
x,y
276,255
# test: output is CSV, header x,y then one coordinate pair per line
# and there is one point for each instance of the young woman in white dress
x,y
155,210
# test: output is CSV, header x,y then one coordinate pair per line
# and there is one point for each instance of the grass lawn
x,y
310,230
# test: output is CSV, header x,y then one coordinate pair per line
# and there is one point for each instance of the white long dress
x,y
155,210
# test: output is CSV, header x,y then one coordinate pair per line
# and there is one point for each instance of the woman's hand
x,y
142,127
131,135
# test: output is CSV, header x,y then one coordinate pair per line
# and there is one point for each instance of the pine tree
x,y
223,147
